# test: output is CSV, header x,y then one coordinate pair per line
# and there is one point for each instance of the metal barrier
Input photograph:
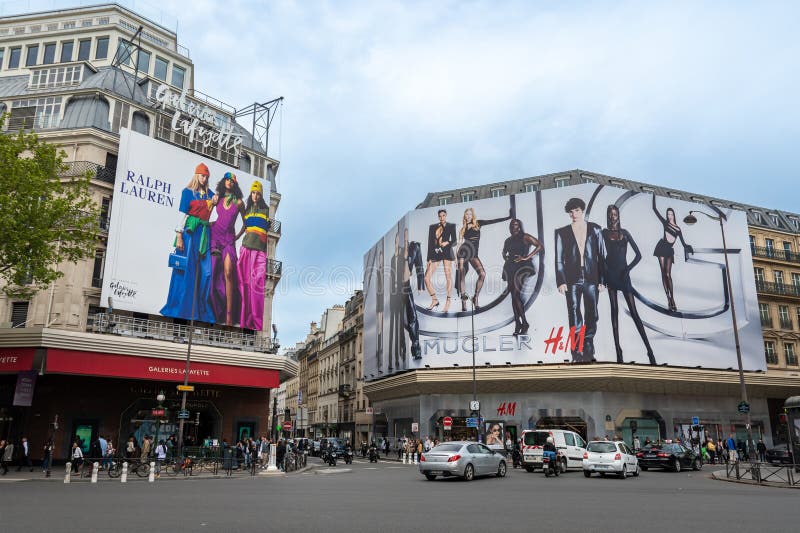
x,y
764,473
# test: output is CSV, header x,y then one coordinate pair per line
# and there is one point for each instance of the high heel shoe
x,y
464,299
446,305
475,303
523,328
434,304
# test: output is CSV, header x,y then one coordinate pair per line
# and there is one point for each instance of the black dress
x,y
472,238
617,267
518,271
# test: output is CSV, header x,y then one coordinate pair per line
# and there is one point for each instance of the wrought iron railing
x,y
777,288
775,253
166,331
772,358
786,323
79,168
766,322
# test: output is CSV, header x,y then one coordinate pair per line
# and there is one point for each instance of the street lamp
x,y
160,413
721,218
475,405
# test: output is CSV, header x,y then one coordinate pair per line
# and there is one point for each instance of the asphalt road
x,y
394,497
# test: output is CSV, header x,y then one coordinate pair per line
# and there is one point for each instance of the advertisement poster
x,y
178,231
573,274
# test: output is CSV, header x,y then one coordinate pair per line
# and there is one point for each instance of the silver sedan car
x,y
461,459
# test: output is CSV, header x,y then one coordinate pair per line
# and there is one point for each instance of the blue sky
x,y
386,101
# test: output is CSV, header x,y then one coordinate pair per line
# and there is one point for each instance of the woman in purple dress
x,y
224,296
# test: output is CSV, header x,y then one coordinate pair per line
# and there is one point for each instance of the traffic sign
x,y
157,412
369,410
447,422
695,420
185,388
744,407
287,425
472,422
183,414
414,427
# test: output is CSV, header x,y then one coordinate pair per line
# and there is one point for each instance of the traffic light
x,y
782,418
287,414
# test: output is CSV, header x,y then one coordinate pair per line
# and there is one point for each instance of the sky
x,y
387,101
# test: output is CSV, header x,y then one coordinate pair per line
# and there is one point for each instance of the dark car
x,y
669,457
780,455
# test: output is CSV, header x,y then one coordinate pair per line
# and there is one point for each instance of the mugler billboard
x,y
579,273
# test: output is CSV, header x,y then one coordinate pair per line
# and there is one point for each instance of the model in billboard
x,y
518,267
379,273
189,288
252,267
225,296
397,341
413,262
665,252
441,239
618,277
469,244
580,274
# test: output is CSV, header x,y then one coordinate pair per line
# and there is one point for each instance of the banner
x,y
177,233
577,274
23,393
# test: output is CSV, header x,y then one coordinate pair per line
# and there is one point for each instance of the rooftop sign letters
x,y
188,116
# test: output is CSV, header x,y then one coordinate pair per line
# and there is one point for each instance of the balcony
x,y
772,359
791,359
786,323
99,172
781,289
766,322
274,269
127,326
777,254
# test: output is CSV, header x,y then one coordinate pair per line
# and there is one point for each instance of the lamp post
x,y
690,219
475,405
160,399
188,359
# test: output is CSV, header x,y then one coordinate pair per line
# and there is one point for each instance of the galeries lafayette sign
x,y
131,366
211,131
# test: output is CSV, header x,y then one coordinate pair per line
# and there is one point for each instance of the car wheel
x,y
469,473
676,465
430,477
696,465
636,472
529,469
624,473
586,473
501,470
563,465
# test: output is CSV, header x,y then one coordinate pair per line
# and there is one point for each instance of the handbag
x,y
177,261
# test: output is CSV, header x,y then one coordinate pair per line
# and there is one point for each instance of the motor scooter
x,y
373,454
516,458
331,458
550,465
348,457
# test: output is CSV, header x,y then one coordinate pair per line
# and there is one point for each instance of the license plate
x,y
434,472
601,467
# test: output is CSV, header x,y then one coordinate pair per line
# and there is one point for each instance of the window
x,y
49,54
19,314
759,274
178,74
121,112
40,112
648,189
769,352
2,51
752,244
795,222
141,123
779,277
32,55
444,200
69,25
769,244
674,194
467,196
97,270
532,186
86,23
66,51
562,182
56,77
783,314
791,355
124,53
763,311
105,212
84,47
796,280
787,250
588,179
570,439
756,216
101,52
497,192
244,160
774,218
160,70
144,61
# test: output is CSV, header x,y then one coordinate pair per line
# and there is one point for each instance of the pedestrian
x,y
25,455
146,444
731,446
109,455
647,441
130,448
77,456
5,451
761,448
712,451
161,456
637,444
47,456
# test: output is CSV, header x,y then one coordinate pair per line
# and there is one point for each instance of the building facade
x,y
594,397
78,77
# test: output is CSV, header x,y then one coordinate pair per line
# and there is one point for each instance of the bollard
x,y
124,477
152,475
405,457
95,468
68,472
415,458
273,454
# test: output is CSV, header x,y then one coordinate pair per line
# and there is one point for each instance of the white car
x,y
606,457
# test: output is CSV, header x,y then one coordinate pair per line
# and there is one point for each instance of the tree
x,y
45,217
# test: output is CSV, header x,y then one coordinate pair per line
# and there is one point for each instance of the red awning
x,y
129,366
16,359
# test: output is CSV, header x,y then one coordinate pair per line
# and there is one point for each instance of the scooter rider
x,y
549,450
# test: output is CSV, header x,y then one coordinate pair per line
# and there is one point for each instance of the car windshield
x,y
673,448
601,447
536,438
447,448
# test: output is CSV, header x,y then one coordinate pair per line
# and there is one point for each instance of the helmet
x,y
550,440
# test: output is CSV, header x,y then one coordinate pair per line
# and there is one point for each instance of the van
x,y
569,444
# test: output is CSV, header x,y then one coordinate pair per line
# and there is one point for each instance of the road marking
x,y
370,468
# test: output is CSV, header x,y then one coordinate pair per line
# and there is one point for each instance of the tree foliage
x,y
45,217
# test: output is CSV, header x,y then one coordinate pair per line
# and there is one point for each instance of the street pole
x,y
188,359
275,418
474,381
743,388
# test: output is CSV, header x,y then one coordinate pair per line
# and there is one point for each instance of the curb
x,y
754,483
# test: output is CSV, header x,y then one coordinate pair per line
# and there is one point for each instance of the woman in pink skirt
x,y
253,258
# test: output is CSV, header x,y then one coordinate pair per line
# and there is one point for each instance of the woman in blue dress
x,y
192,239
